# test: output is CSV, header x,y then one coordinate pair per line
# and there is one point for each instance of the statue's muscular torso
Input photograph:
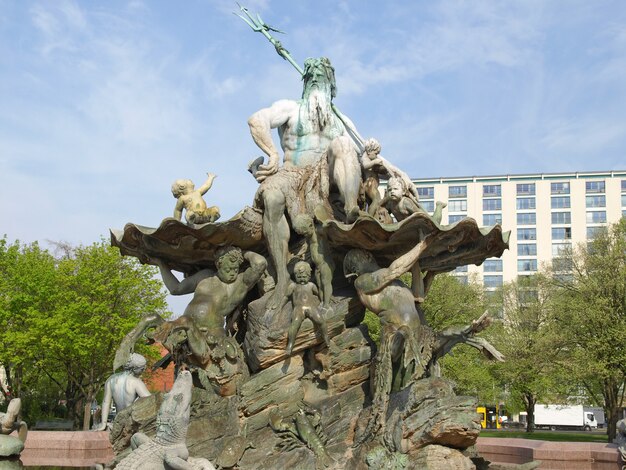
x,y
394,304
213,301
301,147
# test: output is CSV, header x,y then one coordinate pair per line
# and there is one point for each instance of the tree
x,y
531,343
63,318
592,316
450,302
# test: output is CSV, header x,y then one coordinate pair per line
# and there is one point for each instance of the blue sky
x,y
104,104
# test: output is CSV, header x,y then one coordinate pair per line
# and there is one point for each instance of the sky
x,y
104,104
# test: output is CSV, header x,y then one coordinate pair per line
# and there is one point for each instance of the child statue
x,y
191,200
321,256
304,296
397,201
124,388
373,166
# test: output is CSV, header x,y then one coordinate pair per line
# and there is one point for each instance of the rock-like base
x,y
426,422
10,445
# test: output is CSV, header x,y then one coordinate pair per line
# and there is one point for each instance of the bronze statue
x,y
304,294
190,199
215,296
124,388
321,256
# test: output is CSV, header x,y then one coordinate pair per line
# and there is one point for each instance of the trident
x,y
258,25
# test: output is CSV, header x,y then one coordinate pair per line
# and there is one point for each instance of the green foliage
x,y
372,322
62,318
531,342
450,303
591,310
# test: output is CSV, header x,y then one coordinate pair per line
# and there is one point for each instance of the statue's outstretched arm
x,y
261,124
187,285
178,209
106,406
207,184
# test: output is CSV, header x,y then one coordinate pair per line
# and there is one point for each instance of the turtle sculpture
x,y
233,450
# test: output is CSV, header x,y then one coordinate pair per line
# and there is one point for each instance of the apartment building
x,y
544,212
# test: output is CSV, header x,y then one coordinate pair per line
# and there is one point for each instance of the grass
x,y
550,435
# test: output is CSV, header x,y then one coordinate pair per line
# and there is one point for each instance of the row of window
x,y
558,218
523,189
530,218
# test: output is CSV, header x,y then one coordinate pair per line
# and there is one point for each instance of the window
x,y
592,232
428,206
460,269
461,279
452,219
564,278
561,218
527,249
492,190
529,218
596,217
526,189
595,201
562,233
562,264
492,219
492,204
624,186
459,205
559,188
525,265
492,266
426,192
457,191
525,203
492,280
623,200
527,234
594,186
528,295
561,202
559,249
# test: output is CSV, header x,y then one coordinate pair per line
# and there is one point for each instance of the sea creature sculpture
x,y
304,428
168,449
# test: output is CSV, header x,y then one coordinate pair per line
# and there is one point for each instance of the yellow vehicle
x,y
489,417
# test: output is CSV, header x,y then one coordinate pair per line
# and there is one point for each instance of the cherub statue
x,y
304,294
401,205
321,256
190,199
373,166
124,387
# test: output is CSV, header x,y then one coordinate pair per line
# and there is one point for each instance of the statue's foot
x,y
326,311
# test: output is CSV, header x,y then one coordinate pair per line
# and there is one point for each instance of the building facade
x,y
544,212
